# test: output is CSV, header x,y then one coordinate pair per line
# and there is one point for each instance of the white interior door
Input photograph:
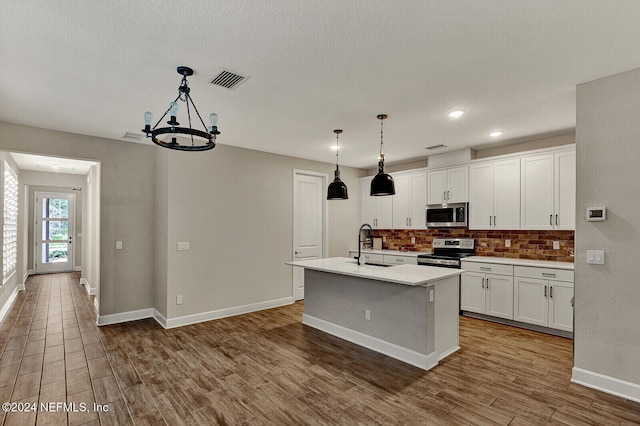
x,y
308,223
54,224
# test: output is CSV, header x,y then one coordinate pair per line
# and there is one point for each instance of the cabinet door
x,y
368,205
384,211
401,202
472,292
499,298
565,190
530,303
436,186
457,185
537,192
506,194
376,211
560,309
417,213
481,196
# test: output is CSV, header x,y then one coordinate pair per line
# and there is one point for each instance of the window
x,y
10,228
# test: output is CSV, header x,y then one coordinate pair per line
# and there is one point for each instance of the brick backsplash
x,y
524,244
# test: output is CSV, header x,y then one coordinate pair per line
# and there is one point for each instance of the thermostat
x,y
596,214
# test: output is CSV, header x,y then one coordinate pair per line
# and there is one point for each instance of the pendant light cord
x,y
381,149
337,150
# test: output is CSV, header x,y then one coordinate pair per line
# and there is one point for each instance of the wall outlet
x,y
183,246
179,299
367,314
118,245
507,243
384,238
413,240
556,245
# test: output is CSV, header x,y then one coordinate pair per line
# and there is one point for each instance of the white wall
x,y
8,288
607,322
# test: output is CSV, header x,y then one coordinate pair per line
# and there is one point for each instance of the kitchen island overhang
x,y
407,312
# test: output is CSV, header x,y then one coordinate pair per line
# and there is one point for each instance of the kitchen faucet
x,y
360,239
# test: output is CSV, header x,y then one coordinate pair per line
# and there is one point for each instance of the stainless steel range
x,y
448,252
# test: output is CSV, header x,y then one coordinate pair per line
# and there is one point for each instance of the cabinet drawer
x,y
543,273
488,268
400,260
372,257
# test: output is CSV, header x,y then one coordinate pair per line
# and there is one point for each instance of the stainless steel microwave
x,y
448,215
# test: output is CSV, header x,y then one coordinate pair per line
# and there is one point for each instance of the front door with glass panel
x,y
54,232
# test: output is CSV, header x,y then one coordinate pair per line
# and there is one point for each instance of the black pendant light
x,y
382,183
337,189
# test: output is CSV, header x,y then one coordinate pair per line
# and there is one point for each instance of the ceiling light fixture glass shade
x,y
382,183
197,140
337,189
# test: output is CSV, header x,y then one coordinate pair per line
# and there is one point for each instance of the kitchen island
x,y
407,312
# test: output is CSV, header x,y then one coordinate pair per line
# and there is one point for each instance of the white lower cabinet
x,y
487,288
542,296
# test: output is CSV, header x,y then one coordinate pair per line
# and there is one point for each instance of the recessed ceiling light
x,y
456,113
496,133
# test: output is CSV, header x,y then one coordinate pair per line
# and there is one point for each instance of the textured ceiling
x,y
94,67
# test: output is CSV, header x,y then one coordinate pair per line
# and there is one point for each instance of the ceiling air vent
x,y
436,146
132,136
229,79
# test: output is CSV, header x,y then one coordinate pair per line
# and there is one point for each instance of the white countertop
x,y
400,274
520,262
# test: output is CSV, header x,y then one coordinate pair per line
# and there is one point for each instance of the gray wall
x,y
607,331
235,207
127,207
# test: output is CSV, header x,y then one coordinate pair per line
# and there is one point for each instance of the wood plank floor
x,y
266,368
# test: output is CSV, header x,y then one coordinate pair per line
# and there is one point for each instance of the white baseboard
x,y
26,275
611,385
96,305
226,312
426,362
125,316
7,304
87,286
190,319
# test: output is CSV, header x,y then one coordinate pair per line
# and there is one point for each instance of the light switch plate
x,y
118,245
556,245
595,257
183,246
507,243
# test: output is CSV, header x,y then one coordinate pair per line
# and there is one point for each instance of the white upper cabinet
x,y
565,190
376,211
410,200
548,185
448,185
494,195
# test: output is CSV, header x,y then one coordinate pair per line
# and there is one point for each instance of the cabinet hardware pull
x,y
495,222
551,219
444,195
410,224
487,283
448,195
551,291
483,283
489,220
544,274
545,291
556,220
485,268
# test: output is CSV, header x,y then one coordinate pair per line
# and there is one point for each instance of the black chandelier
x,y
199,140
